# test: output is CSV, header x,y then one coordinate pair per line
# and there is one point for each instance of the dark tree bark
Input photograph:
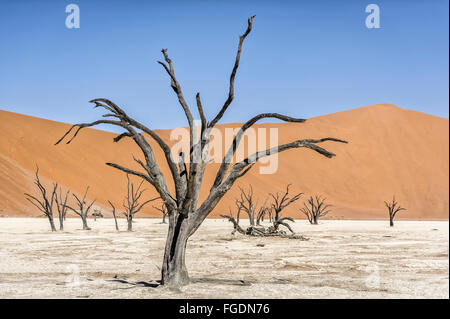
x,y
163,211
248,204
61,204
131,202
393,208
114,215
97,213
262,212
45,205
185,213
315,209
83,208
236,226
280,202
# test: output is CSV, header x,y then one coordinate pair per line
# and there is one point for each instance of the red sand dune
x,y
391,151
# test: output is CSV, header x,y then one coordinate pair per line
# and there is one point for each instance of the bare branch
x,y
233,74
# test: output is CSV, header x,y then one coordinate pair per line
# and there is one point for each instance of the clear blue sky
x,y
303,58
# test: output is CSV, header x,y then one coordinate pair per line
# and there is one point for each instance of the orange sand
x,y
391,151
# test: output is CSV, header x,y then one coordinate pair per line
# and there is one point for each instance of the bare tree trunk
x,y
174,272
251,219
52,223
85,225
391,221
130,222
61,222
115,221
114,214
164,219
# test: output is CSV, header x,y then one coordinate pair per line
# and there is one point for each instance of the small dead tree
x,y
164,211
280,202
114,215
393,208
235,223
186,211
61,204
261,215
247,204
83,208
45,205
97,213
131,202
315,209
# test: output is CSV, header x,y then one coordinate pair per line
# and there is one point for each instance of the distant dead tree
x,y
114,215
97,213
45,205
186,213
83,208
164,211
315,209
61,204
248,204
261,215
393,208
280,202
131,202
236,226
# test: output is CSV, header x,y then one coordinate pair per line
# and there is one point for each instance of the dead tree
x,y
247,203
261,215
83,208
97,213
393,208
315,209
114,215
186,213
280,202
61,204
235,222
45,205
164,212
131,202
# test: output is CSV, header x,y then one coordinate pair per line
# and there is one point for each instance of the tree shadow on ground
x,y
157,283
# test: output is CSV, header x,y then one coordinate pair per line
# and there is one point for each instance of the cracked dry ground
x,y
341,259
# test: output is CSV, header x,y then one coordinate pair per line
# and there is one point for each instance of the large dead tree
x,y
131,203
393,208
186,214
83,208
315,208
61,204
164,212
45,204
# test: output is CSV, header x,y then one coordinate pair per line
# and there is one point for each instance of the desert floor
x,y
341,259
